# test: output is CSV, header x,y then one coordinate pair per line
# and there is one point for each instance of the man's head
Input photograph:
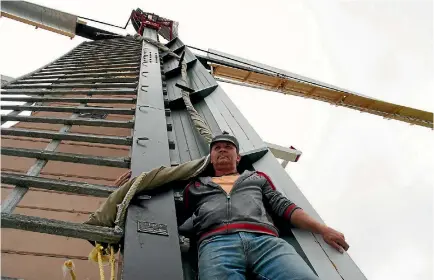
x,y
224,151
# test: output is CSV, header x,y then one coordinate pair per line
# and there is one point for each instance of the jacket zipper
x,y
229,211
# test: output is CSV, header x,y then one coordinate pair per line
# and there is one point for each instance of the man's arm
x,y
334,238
283,207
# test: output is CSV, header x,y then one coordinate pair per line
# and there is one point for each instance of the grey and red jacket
x,y
243,209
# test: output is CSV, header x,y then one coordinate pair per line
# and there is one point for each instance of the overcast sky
x,y
368,177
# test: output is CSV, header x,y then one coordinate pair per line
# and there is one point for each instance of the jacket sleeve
x,y
188,202
276,202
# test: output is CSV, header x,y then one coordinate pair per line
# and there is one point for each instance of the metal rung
x,y
56,185
107,47
48,86
90,138
102,58
105,110
104,45
95,70
66,157
117,43
102,55
85,80
107,51
79,67
85,122
70,100
95,62
81,91
134,75
62,228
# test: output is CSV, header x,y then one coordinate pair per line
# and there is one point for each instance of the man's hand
x,y
334,238
123,179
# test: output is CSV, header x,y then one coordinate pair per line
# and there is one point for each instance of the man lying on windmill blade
x,y
229,218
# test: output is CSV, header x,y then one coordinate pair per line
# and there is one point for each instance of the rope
x,y
112,263
101,268
68,268
101,256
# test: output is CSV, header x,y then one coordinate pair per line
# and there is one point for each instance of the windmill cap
x,y
225,137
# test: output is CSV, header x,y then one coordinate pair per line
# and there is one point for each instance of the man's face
x,y
224,155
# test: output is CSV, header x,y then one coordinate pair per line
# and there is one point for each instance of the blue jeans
x,y
229,256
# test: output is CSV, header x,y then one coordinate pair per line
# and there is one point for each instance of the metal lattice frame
x,y
108,68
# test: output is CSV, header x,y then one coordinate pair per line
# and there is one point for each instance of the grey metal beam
x,y
61,79
77,110
87,70
57,185
123,162
68,91
103,139
84,67
62,228
113,49
160,209
108,49
96,55
69,100
71,85
66,121
100,58
88,75
96,62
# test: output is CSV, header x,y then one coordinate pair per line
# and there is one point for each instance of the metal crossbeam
x,y
62,228
88,75
96,66
101,58
90,138
69,100
68,85
68,91
123,162
56,185
102,55
60,79
105,50
104,110
96,62
65,121
89,70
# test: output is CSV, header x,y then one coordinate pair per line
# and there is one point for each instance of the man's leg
x,y
222,257
273,258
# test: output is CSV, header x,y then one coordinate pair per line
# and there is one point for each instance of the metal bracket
x,y
183,87
152,228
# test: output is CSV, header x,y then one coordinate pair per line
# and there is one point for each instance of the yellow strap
x,y
98,255
112,263
101,268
